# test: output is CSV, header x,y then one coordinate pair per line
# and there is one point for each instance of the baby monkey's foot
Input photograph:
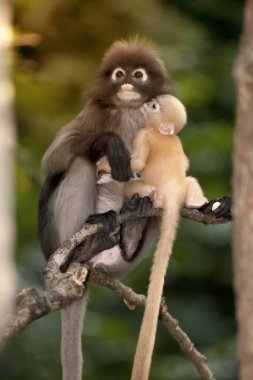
x,y
196,202
137,204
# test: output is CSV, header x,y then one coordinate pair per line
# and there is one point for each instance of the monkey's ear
x,y
167,128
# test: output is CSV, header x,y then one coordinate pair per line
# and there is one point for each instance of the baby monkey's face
x,y
165,113
151,111
154,114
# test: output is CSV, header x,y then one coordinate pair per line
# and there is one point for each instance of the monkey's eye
x,y
140,74
118,73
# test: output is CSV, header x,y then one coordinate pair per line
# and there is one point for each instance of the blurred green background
x,y
198,42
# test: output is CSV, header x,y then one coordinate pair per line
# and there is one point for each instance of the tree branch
x,y
63,288
101,278
63,253
32,305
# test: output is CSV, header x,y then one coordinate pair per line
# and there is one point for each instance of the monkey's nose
x,y
127,87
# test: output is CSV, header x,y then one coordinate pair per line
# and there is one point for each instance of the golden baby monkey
x,y
159,158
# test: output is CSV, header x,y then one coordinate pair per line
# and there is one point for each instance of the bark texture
x,y
243,196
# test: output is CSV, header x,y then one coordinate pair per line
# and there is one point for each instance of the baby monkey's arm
x,y
140,151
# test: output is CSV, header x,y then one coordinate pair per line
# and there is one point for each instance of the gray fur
x,y
71,342
110,196
60,153
70,209
69,194
70,200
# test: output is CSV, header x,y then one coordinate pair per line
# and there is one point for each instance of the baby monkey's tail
x,y
146,341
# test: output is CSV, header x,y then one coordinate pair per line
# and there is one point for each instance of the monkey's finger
x,y
134,201
119,159
208,208
121,171
147,204
130,204
126,171
140,205
144,204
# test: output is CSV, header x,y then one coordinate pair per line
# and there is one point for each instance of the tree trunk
x,y
7,153
243,197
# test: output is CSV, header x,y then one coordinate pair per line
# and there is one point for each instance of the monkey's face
x,y
129,85
130,75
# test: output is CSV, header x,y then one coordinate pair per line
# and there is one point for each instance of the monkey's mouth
x,y
128,95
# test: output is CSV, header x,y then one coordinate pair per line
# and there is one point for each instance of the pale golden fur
x,y
161,161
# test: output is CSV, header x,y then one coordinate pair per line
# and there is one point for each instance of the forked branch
x,y
63,288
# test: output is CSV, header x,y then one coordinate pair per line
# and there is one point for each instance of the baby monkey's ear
x,y
167,129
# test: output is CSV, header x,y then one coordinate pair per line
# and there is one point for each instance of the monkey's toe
x,y
109,219
221,207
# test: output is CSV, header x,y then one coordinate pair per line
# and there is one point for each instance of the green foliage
x,y
198,43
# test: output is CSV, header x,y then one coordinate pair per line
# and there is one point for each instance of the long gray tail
x,y
72,318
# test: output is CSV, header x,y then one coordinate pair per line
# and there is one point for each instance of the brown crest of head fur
x,y
130,55
133,53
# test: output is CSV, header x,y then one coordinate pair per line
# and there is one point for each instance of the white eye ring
x,y
152,106
118,74
140,74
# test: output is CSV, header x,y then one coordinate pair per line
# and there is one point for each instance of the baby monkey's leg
x,y
139,187
194,195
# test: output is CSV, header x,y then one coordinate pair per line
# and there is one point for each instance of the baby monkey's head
x,y
165,113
